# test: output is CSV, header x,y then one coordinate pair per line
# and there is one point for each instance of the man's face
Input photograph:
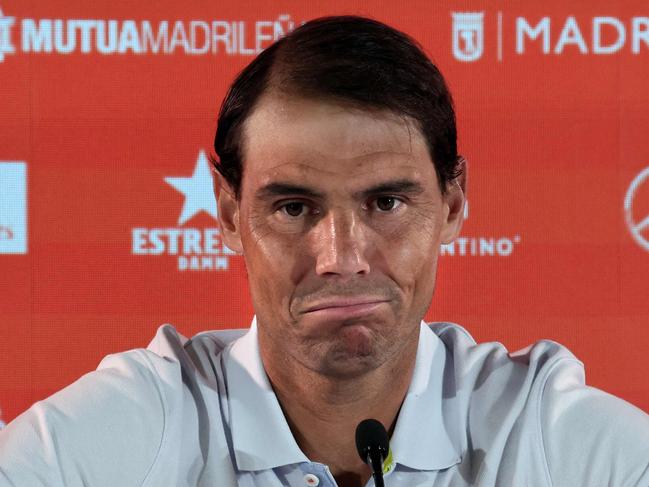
x,y
340,221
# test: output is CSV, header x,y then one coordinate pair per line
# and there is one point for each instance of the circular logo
x,y
638,225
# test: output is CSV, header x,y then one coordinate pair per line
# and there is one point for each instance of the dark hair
x,y
352,60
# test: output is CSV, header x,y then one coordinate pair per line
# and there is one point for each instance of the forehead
x,y
324,143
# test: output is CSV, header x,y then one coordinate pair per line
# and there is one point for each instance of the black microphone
x,y
373,445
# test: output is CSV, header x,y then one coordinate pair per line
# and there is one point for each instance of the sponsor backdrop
x,y
107,219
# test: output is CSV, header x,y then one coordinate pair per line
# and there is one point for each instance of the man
x,y
338,181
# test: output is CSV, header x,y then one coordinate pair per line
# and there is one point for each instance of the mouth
x,y
344,308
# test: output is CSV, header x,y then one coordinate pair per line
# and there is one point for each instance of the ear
x,y
454,201
228,213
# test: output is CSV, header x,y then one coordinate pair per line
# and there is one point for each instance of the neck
x,y
323,411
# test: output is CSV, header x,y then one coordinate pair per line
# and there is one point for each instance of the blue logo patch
x,y
13,208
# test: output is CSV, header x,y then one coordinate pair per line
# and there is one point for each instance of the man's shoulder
x,y
168,342
538,400
145,395
491,380
498,388
89,421
469,355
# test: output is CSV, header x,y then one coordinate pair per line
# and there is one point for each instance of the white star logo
x,y
198,190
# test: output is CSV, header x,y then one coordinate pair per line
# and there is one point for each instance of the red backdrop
x,y
107,109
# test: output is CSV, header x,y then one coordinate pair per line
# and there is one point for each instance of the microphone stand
x,y
375,460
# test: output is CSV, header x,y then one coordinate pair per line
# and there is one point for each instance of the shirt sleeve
x,y
591,438
103,430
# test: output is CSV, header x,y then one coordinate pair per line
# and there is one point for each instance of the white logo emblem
x,y
199,195
638,226
6,47
196,248
468,35
13,208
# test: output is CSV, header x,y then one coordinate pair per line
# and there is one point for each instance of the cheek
x,y
414,262
271,260
411,259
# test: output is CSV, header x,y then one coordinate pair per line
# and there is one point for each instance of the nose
x,y
340,244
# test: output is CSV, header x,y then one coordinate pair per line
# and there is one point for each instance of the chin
x,y
357,340
353,353
347,368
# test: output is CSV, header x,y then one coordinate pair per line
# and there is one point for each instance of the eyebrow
x,y
285,189
402,186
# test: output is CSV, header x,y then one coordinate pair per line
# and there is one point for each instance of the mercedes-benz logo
x,y
636,228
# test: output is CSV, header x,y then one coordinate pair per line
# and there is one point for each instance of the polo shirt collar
x,y
262,439
423,437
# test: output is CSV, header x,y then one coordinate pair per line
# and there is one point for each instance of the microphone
x,y
373,445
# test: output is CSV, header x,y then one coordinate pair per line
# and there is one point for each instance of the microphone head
x,y
371,437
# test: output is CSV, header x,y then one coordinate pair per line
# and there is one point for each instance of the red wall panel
x,y
554,142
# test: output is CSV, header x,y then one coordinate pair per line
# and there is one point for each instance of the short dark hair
x,y
347,59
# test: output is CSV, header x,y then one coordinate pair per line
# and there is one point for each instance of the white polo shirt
x,y
201,412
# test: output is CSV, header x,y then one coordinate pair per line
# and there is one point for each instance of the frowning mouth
x,y
345,308
344,303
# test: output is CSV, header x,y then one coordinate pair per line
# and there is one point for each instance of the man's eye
x,y
387,203
294,208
